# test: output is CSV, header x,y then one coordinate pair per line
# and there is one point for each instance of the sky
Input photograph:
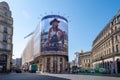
x,y
86,18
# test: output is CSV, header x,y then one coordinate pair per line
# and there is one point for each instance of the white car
x,y
102,70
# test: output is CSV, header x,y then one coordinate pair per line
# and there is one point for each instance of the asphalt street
x,y
46,76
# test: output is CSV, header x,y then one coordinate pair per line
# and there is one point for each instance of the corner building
x,y
106,47
6,33
51,44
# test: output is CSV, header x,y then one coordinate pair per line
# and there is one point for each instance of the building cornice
x,y
107,26
105,39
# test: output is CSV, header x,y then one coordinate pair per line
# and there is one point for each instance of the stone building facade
x,y
52,63
85,60
106,47
6,33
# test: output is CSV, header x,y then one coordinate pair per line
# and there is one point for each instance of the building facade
x,y
6,33
106,47
50,44
16,64
28,54
85,60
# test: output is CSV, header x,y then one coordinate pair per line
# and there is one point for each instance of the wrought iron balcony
x,y
5,50
4,40
5,22
5,31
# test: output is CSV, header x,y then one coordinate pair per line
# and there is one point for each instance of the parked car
x,y
74,69
102,70
18,71
81,70
91,70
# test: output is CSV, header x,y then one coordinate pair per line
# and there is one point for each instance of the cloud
x,y
25,13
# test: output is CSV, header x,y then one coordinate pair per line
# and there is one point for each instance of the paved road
x,y
28,76
38,76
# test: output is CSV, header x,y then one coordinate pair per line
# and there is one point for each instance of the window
x,y
48,60
115,28
89,61
113,48
117,48
109,42
111,23
104,53
5,13
5,8
119,28
114,21
109,51
5,29
4,47
3,58
118,18
4,37
60,59
84,60
116,39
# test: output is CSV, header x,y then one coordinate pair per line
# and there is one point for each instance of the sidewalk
x,y
100,74
113,75
94,74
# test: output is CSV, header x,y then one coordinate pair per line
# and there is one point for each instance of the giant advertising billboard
x,y
54,34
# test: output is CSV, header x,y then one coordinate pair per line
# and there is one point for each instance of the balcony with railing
x,y
5,50
5,30
4,40
5,22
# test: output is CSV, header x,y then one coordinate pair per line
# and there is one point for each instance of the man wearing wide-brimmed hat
x,y
54,34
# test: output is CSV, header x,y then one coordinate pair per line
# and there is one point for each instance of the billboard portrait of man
x,y
54,35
